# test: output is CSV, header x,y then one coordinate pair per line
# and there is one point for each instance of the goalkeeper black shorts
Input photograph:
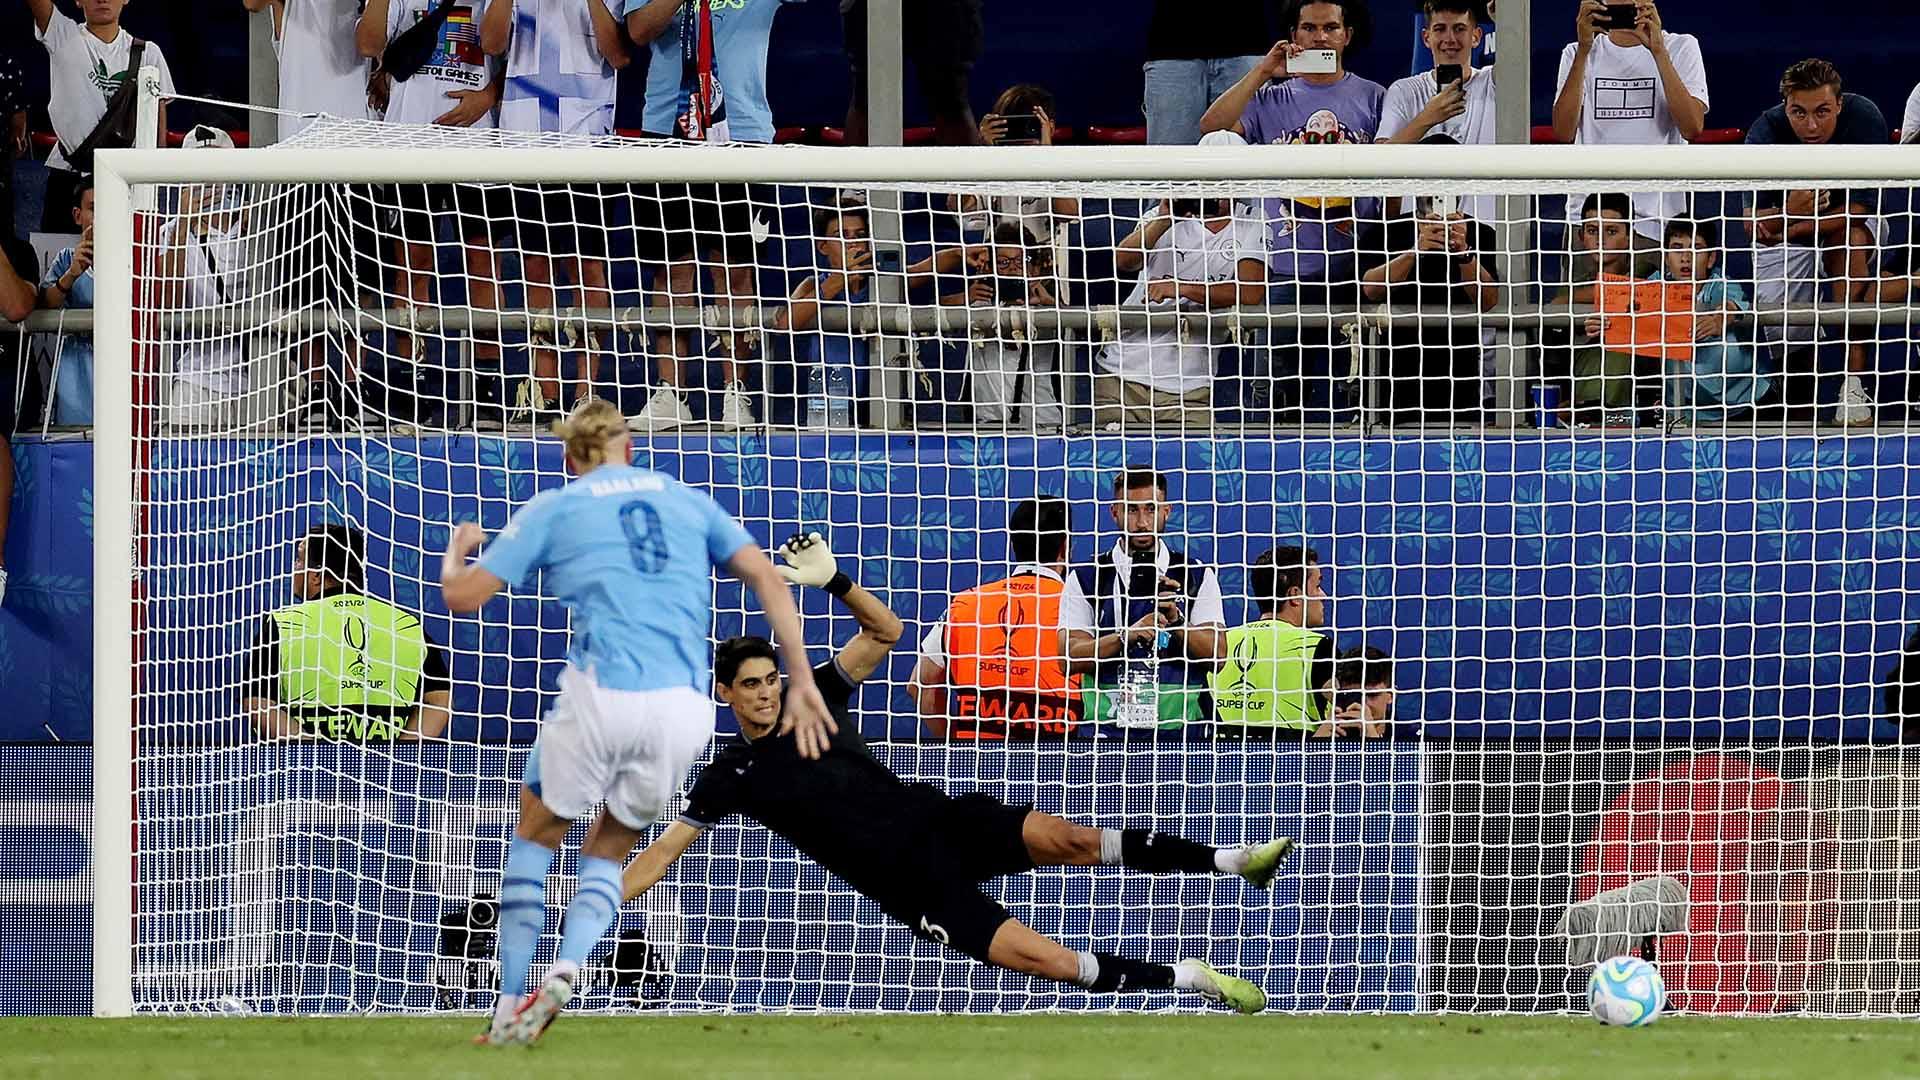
x,y
954,913
977,837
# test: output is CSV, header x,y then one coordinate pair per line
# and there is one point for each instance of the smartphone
x,y
1186,208
1010,290
1143,581
1437,206
1446,75
1622,16
1316,62
1021,131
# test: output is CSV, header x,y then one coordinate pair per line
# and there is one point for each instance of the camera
x,y
1622,16
1020,130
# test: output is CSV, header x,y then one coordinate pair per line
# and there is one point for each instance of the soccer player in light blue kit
x,y
628,552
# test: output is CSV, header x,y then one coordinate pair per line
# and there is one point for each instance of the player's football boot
x,y
1265,860
1236,993
540,1010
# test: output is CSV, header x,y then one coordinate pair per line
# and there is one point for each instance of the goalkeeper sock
x,y
591,912
1155,853
523,912
1104,973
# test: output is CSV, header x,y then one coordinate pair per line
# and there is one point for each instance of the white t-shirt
x,y
85,72
1475,127
1188,252
321,69
1910,124
556,78
216,268
458,64
1074,612
1207,609
1625,104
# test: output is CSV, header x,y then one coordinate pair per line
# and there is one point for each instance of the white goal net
x,y
1609,484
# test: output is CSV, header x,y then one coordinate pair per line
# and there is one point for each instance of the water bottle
x,y
840,397
1137,701
817,398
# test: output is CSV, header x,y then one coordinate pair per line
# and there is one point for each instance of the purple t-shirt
x,y
1303,239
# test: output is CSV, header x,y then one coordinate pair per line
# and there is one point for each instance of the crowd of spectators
x,y
1137,639
553,66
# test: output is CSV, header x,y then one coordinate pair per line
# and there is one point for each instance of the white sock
x,y
1089,967
1109,849
564,968
1230,860
1186,975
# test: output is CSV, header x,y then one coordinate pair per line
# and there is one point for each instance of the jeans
x,y
1179,91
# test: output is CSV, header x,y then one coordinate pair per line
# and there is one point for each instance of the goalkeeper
x,y
914,850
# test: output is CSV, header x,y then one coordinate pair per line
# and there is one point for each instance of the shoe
x,y
736,409
1855,408
538,1012
530,406
665,409
1263,861
1237,993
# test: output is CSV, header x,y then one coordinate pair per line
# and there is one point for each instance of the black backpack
x,y
410,50
115,131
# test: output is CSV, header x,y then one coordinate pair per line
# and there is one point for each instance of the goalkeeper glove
x,y
810,562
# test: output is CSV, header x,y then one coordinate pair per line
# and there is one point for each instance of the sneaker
x,y
665,409
736,409
1237,993
538,1012
1263,861
1855,408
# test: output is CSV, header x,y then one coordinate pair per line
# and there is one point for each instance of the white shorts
x,y
630,748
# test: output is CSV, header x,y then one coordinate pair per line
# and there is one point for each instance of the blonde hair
x,y
590,432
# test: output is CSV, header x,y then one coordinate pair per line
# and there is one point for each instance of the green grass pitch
x,y
993,1048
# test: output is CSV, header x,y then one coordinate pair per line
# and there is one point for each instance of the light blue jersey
x,y
628,551
741,32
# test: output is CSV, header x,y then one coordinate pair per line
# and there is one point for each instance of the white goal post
x,y
1881,786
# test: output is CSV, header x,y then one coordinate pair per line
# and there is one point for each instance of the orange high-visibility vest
x,y
1005,668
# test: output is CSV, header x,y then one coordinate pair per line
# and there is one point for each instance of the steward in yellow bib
x,y
340,664
1275,666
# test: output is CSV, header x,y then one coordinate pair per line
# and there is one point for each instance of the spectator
x,y
1143,584
69,284
941,39
1437,261
206,262
1799,237
1417,108
17,266
321,67
13,129
1006,368
1311,239
457,87
1193,60
835,362
1360,699
1266,685
992,668
87,63
563,64
1608,252
1022,116
1631,86
1719,381
1190,253
1910,123
715,93
340,664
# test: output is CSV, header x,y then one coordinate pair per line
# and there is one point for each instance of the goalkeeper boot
x,y
1260,862
539,1012
1229,990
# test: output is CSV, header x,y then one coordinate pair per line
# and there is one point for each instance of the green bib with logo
x,y
350,654
1266,679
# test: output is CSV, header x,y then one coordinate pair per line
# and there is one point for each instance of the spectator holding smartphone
x,y
1626,81
1910,123
69,284
1453,99
1022,116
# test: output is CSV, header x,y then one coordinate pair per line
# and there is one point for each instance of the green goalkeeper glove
x,y
810,562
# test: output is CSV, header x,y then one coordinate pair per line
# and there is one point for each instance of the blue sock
x,y
523,911
592,909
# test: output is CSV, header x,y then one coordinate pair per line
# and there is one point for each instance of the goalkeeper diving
x,y
918,852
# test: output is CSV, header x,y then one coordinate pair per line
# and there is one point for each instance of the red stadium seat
x,y
1102,135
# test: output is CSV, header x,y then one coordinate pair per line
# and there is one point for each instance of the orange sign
x,y
1647,318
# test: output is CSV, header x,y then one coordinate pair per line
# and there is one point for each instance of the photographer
x,y
1191,253
1360,700
1655,92
1143,584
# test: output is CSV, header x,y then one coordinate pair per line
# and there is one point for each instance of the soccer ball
x,y
1626,991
